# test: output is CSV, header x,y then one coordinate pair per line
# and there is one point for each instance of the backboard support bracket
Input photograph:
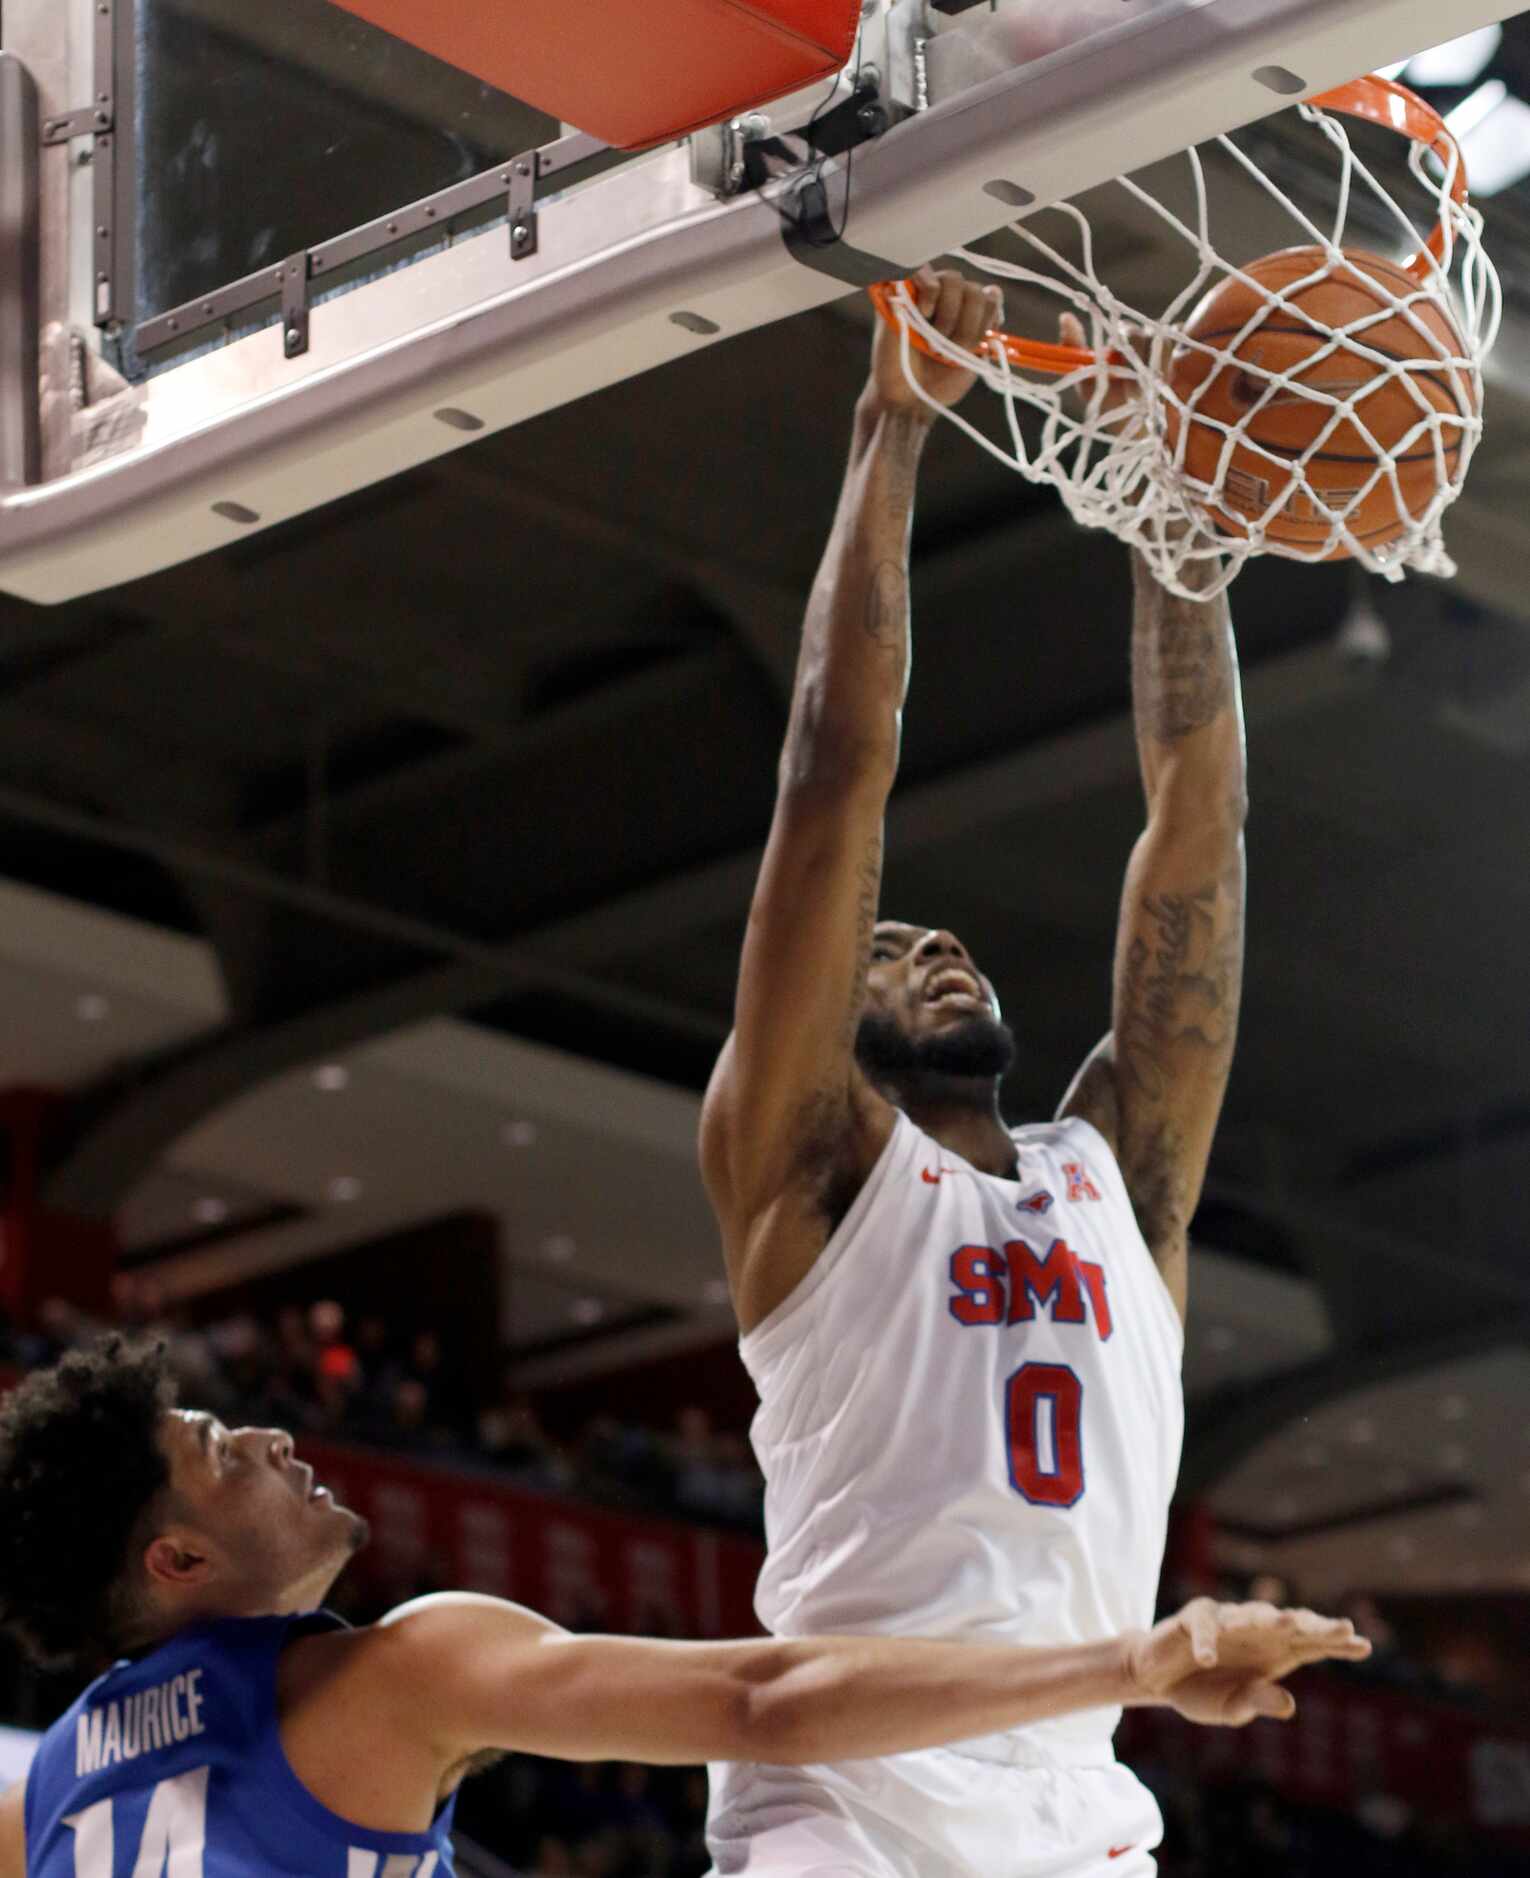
x,y
295,310
813,240
525,230
813,227
85,122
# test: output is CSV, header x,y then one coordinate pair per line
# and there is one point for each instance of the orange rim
x,y
1383,101
1375,99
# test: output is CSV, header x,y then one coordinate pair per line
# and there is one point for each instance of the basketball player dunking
x,y
966,1338
236,1730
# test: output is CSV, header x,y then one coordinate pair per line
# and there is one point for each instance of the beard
x,y
979,1047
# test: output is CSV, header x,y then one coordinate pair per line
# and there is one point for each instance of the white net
x,y
1144,439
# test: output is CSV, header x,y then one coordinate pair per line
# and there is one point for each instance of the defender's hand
x,y
959,310
1223,1663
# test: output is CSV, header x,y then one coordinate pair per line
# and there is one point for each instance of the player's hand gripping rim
x,y
971,317
1224,1664
961,311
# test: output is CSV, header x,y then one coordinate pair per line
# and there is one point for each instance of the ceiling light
x,y
587,1310
559,1247
210,1211
331,1076
345,1187
1475,109
1496,149
91,1007
1363,637
1458,61
518,1134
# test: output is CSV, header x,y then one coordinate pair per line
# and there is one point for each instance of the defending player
x,y
966,1338
239,1731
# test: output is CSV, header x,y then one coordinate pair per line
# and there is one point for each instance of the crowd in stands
x,y
552,1820
311,1371
1250,1830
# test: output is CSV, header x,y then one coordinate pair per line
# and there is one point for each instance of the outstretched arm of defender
x,y
785,1109
470,1673
13,1832
1154,1088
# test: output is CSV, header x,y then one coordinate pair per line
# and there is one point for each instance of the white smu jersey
x,y
971,1413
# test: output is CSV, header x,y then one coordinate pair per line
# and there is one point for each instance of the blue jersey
x,y
171,1766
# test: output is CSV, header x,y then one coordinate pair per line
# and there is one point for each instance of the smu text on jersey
x,y
1007,1285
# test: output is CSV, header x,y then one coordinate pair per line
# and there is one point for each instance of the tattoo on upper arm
x,y
1160,1193
868,879
1180,982
1182,662
1177,1017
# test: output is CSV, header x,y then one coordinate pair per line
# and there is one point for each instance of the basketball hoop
x,y
1321,403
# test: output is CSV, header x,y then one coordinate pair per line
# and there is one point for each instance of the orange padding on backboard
x,y
631,72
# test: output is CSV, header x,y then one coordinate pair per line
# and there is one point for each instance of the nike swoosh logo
x,y
1118,1851
935,1179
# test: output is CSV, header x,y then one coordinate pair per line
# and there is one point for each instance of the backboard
x,y
284,255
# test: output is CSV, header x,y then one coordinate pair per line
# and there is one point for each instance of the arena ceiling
x,y
468,775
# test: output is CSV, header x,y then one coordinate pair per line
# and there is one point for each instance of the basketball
x,y
1359,294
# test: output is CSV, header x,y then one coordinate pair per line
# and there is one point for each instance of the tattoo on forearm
x,y
902,438
1182,661
886,618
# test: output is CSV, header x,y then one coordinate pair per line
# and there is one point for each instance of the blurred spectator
x,y
137,1304
1386,1661
640,1839
409,1429
511,1435
372,1342
332,1355
290,1387
714,1476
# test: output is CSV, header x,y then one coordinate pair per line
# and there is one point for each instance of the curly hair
x,y
80,1466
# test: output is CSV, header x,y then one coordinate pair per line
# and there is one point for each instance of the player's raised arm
x,y
469,1673
1154,1088
786,1115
